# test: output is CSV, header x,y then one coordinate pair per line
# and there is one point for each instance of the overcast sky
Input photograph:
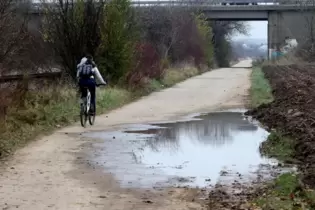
x,y
257,30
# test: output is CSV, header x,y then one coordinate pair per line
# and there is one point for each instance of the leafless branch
x,y
14,34
307,48
72,28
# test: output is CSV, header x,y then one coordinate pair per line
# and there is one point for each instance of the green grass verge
x,y
287,193
279,147
260,91
276,145
46,110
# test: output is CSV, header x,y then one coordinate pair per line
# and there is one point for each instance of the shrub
x,y
116,52
73,30
148,65
193,39
205,38
186,46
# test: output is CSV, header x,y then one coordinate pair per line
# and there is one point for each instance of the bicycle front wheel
x,y
92,116
83,115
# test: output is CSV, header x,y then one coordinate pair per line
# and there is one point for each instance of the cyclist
x,y
86,73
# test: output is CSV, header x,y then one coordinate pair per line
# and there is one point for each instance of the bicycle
x,y
85,106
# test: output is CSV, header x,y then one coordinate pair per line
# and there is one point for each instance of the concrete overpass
x,y
286,18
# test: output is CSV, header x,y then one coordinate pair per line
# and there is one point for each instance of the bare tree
x,y
308,17
72,28
13,41
14,35
160,26
231,27
222,31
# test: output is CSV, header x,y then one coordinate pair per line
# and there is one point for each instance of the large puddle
x,y
197,152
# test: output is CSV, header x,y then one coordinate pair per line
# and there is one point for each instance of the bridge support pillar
x,y
274,32
299,25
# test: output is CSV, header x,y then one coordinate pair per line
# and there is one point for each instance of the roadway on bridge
x,y
60,172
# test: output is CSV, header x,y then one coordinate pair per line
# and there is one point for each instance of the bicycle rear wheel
x,y
83,115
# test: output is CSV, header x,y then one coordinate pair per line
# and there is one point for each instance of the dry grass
x,y
173,76
288,59
44,111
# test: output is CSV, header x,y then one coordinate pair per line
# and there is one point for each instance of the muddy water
x,y
196,152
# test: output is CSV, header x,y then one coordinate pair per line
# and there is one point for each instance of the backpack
x,y
86,71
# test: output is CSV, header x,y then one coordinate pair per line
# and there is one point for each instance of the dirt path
x,y
49,174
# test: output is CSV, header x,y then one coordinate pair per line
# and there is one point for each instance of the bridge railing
x,y
220,2
209,3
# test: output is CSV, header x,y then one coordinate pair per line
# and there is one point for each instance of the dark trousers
x,y
91,85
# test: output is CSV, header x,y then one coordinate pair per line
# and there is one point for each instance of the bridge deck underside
x,y
236,15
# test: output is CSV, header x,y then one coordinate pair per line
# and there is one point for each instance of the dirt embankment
x,y
293,111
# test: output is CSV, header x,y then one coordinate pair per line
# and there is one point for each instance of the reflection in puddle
x,y
191,152
215,130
